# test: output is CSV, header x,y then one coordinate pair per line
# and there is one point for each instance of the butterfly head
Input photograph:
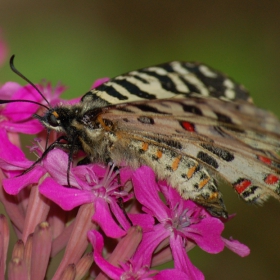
x,y
57,119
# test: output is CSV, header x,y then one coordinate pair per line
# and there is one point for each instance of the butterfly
x,y
194,126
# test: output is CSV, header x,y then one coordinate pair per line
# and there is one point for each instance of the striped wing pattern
x,y
194,126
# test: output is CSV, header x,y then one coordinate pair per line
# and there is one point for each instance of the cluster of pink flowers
x,y
132,221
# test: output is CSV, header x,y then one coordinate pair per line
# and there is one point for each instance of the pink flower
x,y
133,268
180,221
90,184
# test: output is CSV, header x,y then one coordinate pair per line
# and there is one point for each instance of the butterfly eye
x,y
53,121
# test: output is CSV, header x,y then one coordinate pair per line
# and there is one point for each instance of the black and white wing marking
x,y
166,81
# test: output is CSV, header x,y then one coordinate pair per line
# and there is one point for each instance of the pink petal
x,y
145,221
72,101
103,217
149,242
15,185
66,198
171,195
52,94
8,151
31,126
237,247
95,171
8,89
25,110
126,174
98,169
181,260
146,192
119,215
97,242
56,163
207,234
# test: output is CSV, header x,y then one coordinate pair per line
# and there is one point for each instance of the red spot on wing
x,y
187,126
242,185
271,179
265,160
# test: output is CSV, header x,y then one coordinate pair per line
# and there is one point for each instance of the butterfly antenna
x,y
12,66
22,100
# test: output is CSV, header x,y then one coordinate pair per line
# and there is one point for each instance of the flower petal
x,y
8,89
181,260
10,153
25,111
234,245
16,184
97,242
56,162
29,126
66,198
149,242
103,217
145,221
207,234
119,215
146,192
125,174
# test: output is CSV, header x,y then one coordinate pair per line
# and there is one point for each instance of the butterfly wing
x,y
166,81
191,124
232,140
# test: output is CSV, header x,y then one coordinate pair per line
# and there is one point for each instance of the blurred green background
x,y
76,42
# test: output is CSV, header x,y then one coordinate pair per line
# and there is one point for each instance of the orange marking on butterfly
x,y
159,154
55,114
101,121
191,171
240,187
175,163
271,179
145,146
203,183
213,196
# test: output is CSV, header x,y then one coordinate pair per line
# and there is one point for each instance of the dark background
x,y
76,42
